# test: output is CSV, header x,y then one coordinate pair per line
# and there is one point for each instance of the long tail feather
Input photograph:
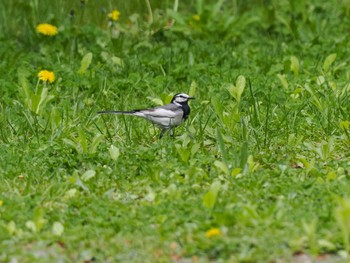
x,y
116,112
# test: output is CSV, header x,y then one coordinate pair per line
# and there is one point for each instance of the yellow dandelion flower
x,y
46,76
114,15
196,17
47,29
213,232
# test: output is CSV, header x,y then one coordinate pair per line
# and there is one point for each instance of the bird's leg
x,y
171,132
162,133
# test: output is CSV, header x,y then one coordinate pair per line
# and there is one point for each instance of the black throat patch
x,y
186,110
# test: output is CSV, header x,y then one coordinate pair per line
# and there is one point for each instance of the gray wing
x,y
169,107
164,116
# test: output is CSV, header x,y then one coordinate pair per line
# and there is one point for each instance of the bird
x,y
165,117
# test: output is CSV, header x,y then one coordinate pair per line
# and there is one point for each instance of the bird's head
x,y
181,98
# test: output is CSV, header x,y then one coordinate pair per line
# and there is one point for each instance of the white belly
x,y
165,122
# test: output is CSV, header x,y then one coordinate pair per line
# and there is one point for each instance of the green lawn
x,y
258,173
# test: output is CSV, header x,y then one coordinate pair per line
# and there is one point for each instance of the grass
x,y
262,162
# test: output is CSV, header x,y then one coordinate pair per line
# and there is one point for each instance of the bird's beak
x,y
191,98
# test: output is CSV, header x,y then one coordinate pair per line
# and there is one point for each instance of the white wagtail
x,y
166,117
